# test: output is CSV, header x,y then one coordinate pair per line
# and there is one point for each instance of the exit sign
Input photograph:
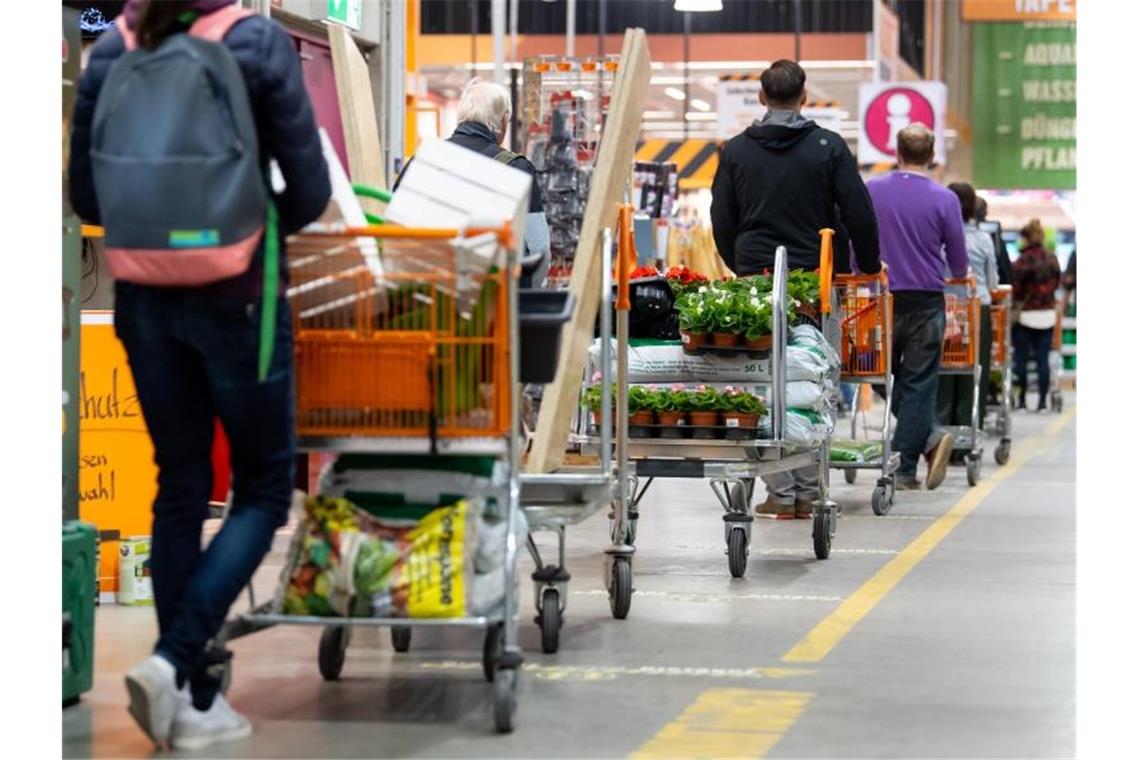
x,y
347,12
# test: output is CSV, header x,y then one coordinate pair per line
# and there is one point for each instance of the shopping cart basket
x,y
960,356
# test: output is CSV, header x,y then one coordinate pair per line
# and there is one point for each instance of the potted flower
x,y
704,405
671,405
592,399
725,317
692,319
742,413
803,292
640,402
757,316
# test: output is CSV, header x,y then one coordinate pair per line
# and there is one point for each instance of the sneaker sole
x,y
938,463
141,699
208,740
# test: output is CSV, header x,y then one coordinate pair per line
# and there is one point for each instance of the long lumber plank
x,y
612,172
357,114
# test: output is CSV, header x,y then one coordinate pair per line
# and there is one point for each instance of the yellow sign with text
x,y
117,474
1019,10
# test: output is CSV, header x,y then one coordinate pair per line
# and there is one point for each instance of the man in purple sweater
x,y
919,220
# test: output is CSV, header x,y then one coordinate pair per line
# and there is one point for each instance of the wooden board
x,y
357,114
607,188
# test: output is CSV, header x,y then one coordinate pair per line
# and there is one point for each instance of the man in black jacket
x,y
1004,266
782,180
779,183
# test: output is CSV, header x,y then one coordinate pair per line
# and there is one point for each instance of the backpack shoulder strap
x,y
505,156
214,26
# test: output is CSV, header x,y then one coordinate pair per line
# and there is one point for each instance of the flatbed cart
x,y
866,341
730,466
960,344
1001,357
425,364
555,501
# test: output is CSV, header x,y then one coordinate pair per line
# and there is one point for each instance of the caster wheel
x,y
401,638
821,534
737,553
330,655
850,476
550,620
621,587
881,500
630,530
227,676
738,497
506,684
973,470
1057,402
1001,453
492,648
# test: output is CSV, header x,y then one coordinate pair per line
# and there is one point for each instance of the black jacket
x,y
286,130
779,182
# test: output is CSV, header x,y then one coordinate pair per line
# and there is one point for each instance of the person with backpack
x,y
779,183
484,114
181,109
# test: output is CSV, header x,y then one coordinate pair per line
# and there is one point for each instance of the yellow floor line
x,y
727,723
830,631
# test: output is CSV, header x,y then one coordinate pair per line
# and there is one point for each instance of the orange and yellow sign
x,y
117,475
1019,10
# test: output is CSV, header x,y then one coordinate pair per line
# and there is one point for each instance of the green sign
x,y
347,12
1025,105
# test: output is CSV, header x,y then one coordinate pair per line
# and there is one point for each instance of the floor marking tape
x,y
727,723
712,596
612,672
830,631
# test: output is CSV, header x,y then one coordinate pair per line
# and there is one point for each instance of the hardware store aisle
x,y
945,629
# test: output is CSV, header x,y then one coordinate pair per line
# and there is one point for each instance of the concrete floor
x,y
971,654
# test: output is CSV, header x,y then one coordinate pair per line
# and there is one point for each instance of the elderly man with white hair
x,y
484,119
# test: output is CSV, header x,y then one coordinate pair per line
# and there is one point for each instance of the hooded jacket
x,y
781,181
286,127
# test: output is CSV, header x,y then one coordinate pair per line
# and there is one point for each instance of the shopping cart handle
x,y
826,268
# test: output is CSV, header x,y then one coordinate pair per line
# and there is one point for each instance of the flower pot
x,y
596,415
705,425
740,426
692,341
641,424
763,343
725,340
672,424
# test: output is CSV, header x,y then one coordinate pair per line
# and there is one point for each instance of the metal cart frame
x,y
502,657
1002,360
875,301
960,356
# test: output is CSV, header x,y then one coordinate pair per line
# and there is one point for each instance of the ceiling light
x,y
674,93
698,6
698,116
700,105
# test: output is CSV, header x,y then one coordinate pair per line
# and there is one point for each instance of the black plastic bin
x,y
541,316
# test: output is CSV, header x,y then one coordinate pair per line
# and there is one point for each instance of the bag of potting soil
x,y
807,427
345,562
668,362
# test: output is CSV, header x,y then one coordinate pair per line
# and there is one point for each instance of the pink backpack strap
x,y
215,26
212,27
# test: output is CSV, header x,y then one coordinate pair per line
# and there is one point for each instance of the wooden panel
x,y
317,71
615,160
357,114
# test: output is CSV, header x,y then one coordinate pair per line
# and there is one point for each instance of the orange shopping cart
x,y
863,304
406,342
1001,361
960,344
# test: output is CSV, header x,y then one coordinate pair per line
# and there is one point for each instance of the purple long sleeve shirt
x,y
918,219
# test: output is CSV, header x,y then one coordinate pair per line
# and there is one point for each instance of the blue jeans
x,y
917,355
1029,342
194,359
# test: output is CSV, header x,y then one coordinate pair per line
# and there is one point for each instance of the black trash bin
x,y
541,316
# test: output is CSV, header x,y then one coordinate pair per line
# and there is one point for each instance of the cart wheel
x,y
737,552
227,676
1001,453
330,655
881,500
506,683
492,648
973,470
1057,401
738,497
550,620
621,587
821,534
850,476
401,638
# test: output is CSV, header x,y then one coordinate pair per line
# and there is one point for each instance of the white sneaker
x,y
195,729
155,697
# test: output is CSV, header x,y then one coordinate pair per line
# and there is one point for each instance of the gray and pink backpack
x,y
175,158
